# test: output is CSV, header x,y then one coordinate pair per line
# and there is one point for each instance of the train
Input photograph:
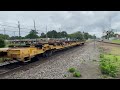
x,y
24,53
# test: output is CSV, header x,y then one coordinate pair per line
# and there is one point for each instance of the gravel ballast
x,y
84,59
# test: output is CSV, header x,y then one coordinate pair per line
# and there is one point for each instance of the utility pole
x,y
46,31
4,31
83,35
83,32
94,41
35,30
19,32
4,34
34,25
110,22
60,32
19,28
14,34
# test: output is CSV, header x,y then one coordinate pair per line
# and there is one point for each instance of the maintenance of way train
x,y
32,49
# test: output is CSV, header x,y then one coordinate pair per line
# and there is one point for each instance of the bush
x,y
108,67
72,70
76,74
2,43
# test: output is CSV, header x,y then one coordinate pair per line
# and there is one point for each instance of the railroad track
x,y
8,69
109,42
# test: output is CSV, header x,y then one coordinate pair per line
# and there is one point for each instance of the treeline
x,y
52,34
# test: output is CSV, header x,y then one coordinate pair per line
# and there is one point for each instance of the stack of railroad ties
x,y
34,50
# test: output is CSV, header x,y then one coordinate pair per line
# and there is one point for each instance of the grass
x,y
110,60
101,55
115,50
110,49
110,64
116,41
65,75
71,70
76,74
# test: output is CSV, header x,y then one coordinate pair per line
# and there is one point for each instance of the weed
x,y
76,74
65,75
71,70
109,65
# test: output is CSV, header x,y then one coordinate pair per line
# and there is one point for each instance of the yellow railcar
x,y
26,53
23,54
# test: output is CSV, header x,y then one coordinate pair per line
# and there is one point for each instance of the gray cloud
x,y
70,21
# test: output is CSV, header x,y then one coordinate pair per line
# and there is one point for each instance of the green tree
x,y
77,35
86,35
43,35
55,34
52,34
4,36
2,43
16,37
63,34
109,34
32,34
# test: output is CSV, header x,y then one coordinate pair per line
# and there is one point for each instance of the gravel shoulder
x,y
85,59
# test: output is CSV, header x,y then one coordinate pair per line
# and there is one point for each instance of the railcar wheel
x,y
50,53
45,54
36,58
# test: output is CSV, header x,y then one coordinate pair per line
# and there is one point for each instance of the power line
x,y
13,26
13,31
8,22
8,26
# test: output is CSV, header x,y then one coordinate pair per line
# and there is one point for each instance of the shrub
x,y
108,67
76,74
2,43
72,70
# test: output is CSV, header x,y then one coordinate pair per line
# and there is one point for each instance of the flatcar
x,y
27,52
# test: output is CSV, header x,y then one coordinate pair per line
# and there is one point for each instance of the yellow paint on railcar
x,y
21,53
46,47
18,53
59,47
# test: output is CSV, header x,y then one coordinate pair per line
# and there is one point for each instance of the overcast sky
x,y
71,21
